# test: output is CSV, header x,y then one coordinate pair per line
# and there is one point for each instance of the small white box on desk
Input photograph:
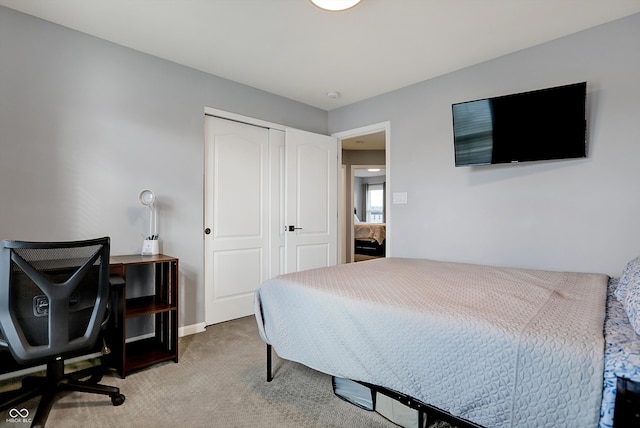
x,y
150,247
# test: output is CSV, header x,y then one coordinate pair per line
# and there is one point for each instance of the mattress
x,y
622,353
495,346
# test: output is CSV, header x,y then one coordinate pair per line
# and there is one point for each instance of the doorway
x,y
363,149
368,189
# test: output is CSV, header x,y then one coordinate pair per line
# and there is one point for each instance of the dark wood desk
x,y
161,306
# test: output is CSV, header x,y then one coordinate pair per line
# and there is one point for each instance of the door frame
x,y
364,130
222,114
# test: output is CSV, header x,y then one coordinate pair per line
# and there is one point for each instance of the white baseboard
x,y
191,329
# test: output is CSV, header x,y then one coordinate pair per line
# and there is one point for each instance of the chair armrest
x,y
116,281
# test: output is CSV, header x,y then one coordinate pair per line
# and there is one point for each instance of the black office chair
x,y
53,305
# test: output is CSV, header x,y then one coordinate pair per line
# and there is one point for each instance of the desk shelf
x,y
162,306
141,352
146,305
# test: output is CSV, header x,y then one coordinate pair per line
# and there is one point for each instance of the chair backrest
x,y
53,297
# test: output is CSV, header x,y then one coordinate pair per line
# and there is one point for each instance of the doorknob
x,y
292,228
207,231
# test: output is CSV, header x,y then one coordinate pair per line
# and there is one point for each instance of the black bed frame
x,y
369,248
626,412
424,410
627,407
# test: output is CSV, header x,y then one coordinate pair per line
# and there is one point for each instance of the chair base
x,y
54,382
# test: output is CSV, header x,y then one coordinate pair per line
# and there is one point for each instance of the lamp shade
x,y
147,198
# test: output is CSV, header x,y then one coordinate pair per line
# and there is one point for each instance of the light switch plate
x,y
400,197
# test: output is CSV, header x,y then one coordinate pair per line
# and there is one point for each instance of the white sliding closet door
x,y
259,182
236,220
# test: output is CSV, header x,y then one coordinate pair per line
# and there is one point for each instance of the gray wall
x,y
579,215
85,125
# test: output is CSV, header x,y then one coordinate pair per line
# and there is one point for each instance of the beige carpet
x,y
219,382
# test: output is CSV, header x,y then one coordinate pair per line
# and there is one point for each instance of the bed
x,y
369,239
479,343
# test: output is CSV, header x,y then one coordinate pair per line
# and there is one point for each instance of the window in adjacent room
x,y
375,203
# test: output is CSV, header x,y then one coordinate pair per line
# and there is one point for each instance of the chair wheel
x,y
118,400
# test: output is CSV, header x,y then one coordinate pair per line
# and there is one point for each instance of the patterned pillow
x,y
631,292
632,305
630,275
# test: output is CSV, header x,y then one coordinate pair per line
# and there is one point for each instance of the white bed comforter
x,y
496,346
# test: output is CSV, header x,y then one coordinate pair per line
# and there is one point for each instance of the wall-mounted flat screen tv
x,y
529,126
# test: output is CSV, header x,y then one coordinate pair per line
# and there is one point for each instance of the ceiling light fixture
x,y
335,5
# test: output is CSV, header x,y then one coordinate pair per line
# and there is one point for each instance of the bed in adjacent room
x,y
491,346
370,239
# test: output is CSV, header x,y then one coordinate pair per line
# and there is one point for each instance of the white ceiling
x,y
375,141
293,49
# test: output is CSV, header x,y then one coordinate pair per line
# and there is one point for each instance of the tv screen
x,y
538,125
